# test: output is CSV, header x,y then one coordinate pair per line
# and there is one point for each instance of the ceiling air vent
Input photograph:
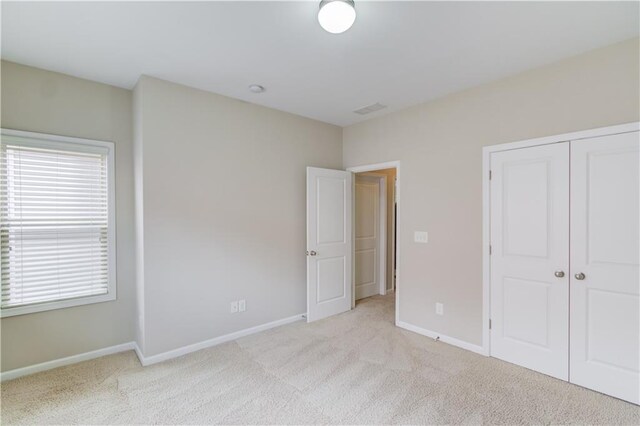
x,y
370,108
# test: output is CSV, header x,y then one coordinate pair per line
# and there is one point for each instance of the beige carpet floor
x,y
354,368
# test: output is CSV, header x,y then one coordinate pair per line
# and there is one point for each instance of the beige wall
x,y
223,187
440,144
47,102
222,183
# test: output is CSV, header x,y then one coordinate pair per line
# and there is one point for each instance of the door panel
x,y
526,311
530,242
330,198
367,224
329,242
526,227
331,272
605,240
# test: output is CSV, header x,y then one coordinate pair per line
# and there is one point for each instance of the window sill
x,y
59,304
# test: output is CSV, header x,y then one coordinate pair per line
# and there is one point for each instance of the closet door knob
x,y
559,274
580,276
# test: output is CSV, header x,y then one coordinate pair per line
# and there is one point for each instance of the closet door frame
x,y
486,204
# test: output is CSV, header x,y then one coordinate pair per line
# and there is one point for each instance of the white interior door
x,y
329,242
605,314
529,260
367,236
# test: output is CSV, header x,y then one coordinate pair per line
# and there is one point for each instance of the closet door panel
x,y
605,282
530,243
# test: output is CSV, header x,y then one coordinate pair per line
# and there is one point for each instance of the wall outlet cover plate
x,y
421,237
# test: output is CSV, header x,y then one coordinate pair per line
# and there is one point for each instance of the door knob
x,y
580,276
311,253
559,274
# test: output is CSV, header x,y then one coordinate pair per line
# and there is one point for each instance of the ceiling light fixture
x,y
256,88
336,16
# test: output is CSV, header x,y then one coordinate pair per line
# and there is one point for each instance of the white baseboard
x,y
446,339
73,359
60,362
153,359
32,369
138,352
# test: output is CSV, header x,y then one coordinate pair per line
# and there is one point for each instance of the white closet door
x,y
605,314
529,261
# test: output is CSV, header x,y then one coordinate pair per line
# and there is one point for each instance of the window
x,y
57,223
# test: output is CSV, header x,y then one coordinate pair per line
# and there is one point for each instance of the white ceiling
x,y
397,53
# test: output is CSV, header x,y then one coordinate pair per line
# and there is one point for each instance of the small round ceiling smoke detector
x,y
256,88
336,16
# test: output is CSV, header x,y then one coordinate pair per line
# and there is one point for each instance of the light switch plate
x,y
234,307
420,237
242,305
439,308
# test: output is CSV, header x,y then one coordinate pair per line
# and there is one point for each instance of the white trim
x,y
442,338
382,166
393,238
573,136
382,243
44,137
133,346
374,167
139,354
61,362
82,145
154,359
486,258
486,202
57,304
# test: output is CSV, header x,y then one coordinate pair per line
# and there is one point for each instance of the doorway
x,y
375,249
374,233
330,240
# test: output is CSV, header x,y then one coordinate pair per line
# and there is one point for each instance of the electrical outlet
x,y
421,237
234,307
439,308
242,305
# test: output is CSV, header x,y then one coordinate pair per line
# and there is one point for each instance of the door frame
x,y
382,231
373,168
486,204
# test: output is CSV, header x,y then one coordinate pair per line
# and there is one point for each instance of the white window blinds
x,y
54,231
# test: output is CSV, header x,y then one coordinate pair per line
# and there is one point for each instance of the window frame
x,y
42,140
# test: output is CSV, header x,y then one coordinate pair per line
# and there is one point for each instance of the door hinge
x,y
490,174
489,249
489,324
